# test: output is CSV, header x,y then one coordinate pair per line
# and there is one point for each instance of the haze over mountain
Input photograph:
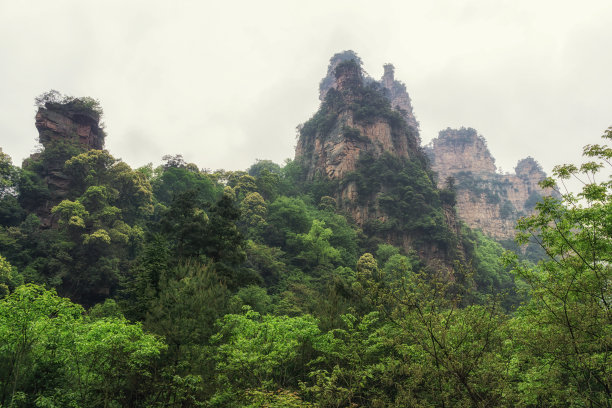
x,y
343,278
227,83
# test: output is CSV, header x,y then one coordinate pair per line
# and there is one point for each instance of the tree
x,y
189,300
11,212
268,183
141,285
56,98
261,352
99,221
253,209
9,277
354,366
446,355
286,215
313,249
224,242
174,179
566,328
53,355
263,165
185,223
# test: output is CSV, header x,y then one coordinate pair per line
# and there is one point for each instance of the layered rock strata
x,y
71,124
395,91
486,200
355,121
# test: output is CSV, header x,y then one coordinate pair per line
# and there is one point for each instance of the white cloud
x,y
225,83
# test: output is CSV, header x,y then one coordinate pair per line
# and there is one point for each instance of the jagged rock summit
x,y
66,126
365,139
486,200
457,151
394,91
70,121
371,150
355,117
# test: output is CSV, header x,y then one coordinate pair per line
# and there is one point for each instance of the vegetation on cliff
x,y
486,198
177,287
55,100
389,178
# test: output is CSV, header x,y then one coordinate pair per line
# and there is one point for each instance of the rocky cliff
x,y
371,150
71,122
486,200
393,90
65,128
398,96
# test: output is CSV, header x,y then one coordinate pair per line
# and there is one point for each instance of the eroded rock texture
x,y
67,122
345,127
371,148
395,91
62,128
399,98
486,200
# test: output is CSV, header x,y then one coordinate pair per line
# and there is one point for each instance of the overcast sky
x,y
227,82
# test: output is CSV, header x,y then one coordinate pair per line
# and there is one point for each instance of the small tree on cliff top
x,y
56,99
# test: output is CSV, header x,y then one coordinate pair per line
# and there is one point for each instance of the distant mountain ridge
x,y
486,200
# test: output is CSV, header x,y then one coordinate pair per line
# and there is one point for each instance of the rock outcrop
x,y
69,122
371,150
331,142
486,200
66,128
333,139
393,90
460,151
399,98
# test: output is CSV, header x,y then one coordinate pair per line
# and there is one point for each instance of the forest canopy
x,y
178,287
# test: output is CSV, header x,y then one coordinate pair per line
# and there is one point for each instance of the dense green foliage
x,y
567,326
410,197
176,287
51,354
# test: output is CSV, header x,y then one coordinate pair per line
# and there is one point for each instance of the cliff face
x,y
331,142
399,98
393,90
460,150
369,148
63,127
486,200
354,118
69,122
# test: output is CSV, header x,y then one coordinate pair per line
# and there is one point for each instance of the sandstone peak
x,y
363,145
485,199
71,121
394,91
527,167
398,96
330,80
356,116
349,78
388,77
460,150
63,119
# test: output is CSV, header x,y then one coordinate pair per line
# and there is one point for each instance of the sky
x,y
226,83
